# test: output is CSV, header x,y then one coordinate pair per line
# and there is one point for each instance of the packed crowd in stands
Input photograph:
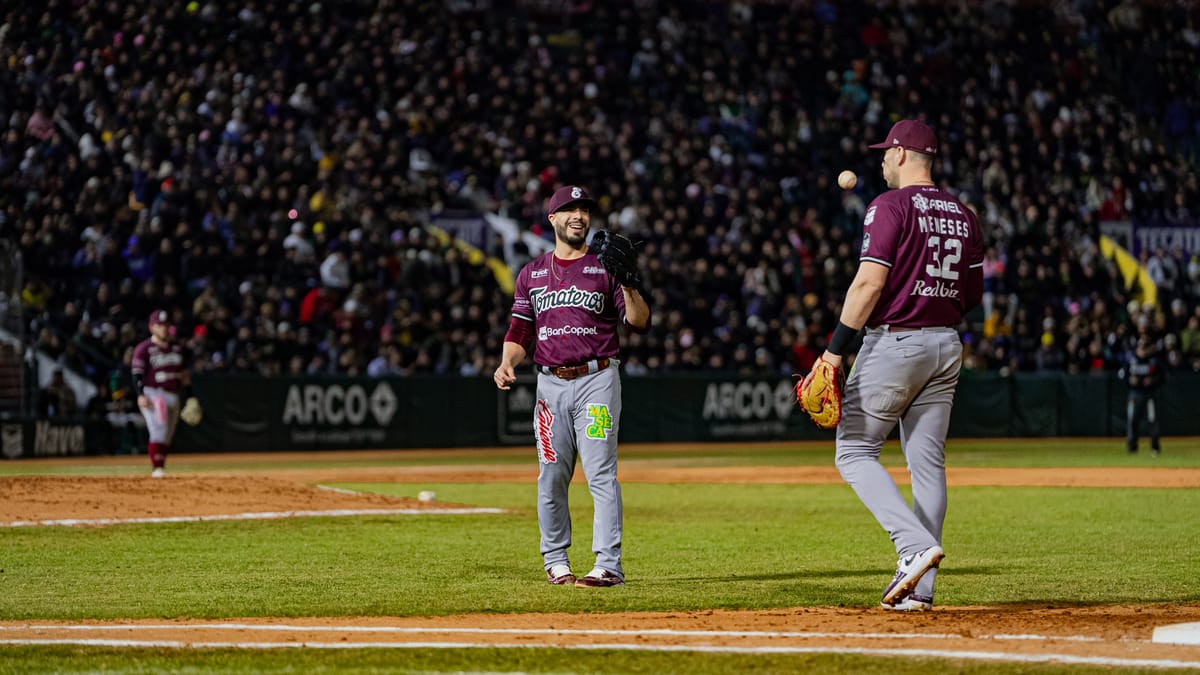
x,y
265,170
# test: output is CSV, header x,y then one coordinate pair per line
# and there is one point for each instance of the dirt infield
x,y
1116,636
1112,635
204,493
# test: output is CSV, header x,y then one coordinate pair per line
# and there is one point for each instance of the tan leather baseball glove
x,y
820,394
191,413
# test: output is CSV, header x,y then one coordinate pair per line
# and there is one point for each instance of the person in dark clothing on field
x,y
1144,373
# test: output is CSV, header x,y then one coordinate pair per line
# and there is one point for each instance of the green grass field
x,y
687,547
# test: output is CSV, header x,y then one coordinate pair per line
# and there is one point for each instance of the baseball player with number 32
x,y
567,308
920,270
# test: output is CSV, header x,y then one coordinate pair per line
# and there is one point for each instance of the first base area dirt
x,y
1108,635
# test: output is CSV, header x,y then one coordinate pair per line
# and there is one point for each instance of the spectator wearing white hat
x,y
297,241
335,270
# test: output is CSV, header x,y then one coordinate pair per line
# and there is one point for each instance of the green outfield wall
x,y
253,413
246,413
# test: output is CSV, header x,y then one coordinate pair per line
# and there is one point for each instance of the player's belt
x,y
888,328
572,372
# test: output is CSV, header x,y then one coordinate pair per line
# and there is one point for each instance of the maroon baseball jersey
x,y
160,367
575,309
933,247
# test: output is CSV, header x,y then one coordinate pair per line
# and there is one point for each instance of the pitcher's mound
x,y
104,500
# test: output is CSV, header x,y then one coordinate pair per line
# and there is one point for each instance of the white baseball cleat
x,y
560,575
158,472
599,578
910,603
909,571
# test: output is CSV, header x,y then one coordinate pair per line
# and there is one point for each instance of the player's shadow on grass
x,y
843,573
781,576
975,570
873,572
840,573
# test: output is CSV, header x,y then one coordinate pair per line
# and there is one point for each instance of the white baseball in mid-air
x,y
847,180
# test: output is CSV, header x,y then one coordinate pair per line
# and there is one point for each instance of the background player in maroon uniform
x,y
570,307
161,378
920,270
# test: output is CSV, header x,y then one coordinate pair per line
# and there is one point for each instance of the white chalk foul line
x,y
1065,638
341,491
711,649
265,515
417,630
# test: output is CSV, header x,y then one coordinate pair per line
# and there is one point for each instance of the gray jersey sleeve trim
x,y
522,316
978,264
876,260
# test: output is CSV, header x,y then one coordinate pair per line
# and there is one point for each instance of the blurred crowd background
x,y
267,171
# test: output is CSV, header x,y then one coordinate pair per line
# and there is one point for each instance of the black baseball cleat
x,y
599,578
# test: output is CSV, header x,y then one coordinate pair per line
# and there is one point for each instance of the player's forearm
x,y
513,354
637,312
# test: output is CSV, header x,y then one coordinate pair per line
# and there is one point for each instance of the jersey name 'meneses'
x,y
575,309
933,246
160,367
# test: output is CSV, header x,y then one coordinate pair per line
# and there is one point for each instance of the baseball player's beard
x,y
569,237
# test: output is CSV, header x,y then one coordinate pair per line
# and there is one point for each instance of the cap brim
x,y
882,146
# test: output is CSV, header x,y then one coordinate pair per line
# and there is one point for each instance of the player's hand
x,y
834,359
143,402
504,376
820,393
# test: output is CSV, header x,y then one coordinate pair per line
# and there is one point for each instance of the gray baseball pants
x,y
162,416
579,419
907,378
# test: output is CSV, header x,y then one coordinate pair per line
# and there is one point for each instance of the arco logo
x,y
748,401
315,404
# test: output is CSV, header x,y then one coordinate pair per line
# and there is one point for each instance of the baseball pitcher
x,y
920,270
567,308
162,382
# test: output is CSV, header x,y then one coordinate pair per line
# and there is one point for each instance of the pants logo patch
x,y
543,427
601,421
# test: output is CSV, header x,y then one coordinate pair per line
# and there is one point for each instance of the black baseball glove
x,y
618,256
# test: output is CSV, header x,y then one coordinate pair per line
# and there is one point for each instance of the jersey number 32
x,y
946,255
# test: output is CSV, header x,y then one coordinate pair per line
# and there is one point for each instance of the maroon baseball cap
x,y
570,194
160,317
912,135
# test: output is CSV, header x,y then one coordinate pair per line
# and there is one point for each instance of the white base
x,y
1178,634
